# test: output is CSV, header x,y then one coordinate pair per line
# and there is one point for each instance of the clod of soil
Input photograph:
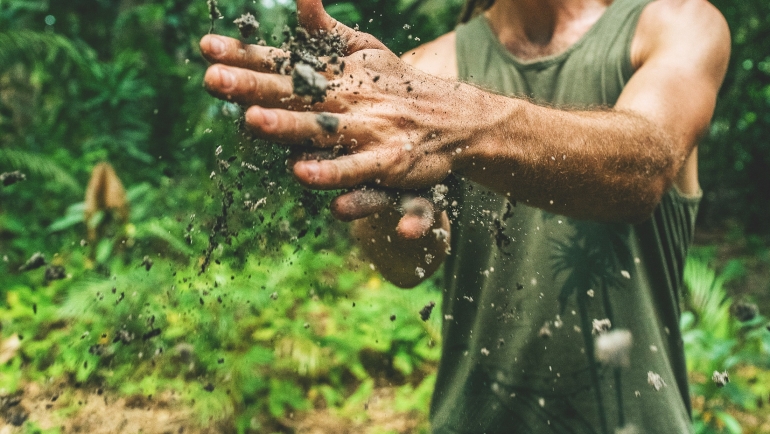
x,y
744,311
600,326
34,262
306,48
55,272
426,311
655,380
214,13
146,263
720,378
247,25
10,178
329,123
307,82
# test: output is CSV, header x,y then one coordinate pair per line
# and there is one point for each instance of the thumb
x,y
313,17
419,217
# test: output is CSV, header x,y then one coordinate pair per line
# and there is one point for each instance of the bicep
x,y
676,85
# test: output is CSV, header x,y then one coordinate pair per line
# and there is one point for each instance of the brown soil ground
x,y
80,411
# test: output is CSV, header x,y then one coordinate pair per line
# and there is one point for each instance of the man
x,y
573,192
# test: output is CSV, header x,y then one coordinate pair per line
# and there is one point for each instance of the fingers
x,y
313,17
417,220
250,87
358,204
232,52
321,130
346,171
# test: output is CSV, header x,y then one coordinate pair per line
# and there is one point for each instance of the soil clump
x,y
10,178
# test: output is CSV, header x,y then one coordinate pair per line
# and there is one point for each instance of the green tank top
x,y
528,292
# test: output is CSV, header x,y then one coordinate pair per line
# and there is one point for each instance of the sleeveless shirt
x,y
529,294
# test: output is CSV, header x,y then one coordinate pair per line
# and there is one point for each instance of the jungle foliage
x,y
286,317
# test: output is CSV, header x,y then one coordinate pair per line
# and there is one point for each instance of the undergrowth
x,y
241,347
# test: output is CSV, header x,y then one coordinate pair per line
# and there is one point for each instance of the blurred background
x,y
160,271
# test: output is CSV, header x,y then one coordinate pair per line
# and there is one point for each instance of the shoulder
x,y
670,26
437,57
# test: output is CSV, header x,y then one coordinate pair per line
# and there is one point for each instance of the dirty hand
x,y
397,127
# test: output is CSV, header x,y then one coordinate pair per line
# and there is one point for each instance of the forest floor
x,y
68,409
72,410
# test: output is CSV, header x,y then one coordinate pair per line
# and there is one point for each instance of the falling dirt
x,y
427,310
10,178
35,261
247,25
328,122
307,82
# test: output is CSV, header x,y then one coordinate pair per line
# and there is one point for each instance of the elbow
x,y
653,183
647,200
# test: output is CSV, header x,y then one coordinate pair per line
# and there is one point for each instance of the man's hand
x,y
394,125
391,116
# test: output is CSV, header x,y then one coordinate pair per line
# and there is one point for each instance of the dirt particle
x,y
10,178
744,311
151,334
55,272
328,122
655,380
720,378
392,317
307,82
209,387
34,262
420,272
247,25
601,326
146,263
426,311
214,13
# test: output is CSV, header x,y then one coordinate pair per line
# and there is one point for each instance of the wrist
x,y
485,133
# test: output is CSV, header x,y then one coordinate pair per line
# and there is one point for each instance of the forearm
x,y
604,165
404,262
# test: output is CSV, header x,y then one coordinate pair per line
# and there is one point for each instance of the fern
x,y
40,166
29,46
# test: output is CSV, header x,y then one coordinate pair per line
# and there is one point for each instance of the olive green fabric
x,y
523,286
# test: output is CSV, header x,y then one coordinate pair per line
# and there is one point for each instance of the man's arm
x,y
610,165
